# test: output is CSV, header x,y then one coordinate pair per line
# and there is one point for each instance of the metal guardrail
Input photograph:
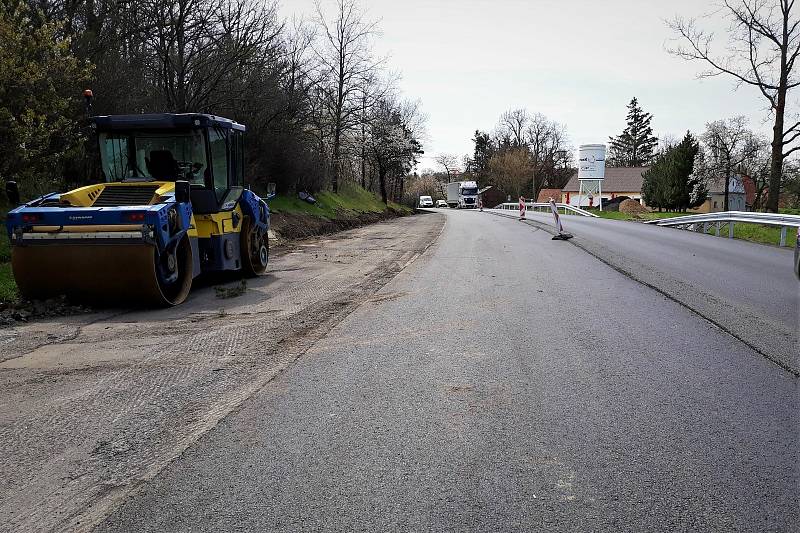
x,y
545,206
702,222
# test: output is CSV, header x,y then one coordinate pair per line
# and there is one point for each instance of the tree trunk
x,y
382,181
727,178
776,165
337,140
363,170
363,148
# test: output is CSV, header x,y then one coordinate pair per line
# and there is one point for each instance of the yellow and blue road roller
x,y
173,205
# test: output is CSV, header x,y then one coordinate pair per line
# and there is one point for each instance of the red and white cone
x,y
522,208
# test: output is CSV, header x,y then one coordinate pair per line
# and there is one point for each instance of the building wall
x,y
716,201
492,197
571,198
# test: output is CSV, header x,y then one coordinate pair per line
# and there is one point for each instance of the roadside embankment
x,y
293,218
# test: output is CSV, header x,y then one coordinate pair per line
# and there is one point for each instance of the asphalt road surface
x,y
501,382
748,289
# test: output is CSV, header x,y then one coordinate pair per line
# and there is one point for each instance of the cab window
x,y
219,161
237,150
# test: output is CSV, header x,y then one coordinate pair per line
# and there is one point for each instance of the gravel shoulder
x,y
92,406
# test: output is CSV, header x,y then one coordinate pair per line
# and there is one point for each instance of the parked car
x,y
425,201
441,203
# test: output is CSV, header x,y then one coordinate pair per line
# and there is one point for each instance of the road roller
x,y
172,206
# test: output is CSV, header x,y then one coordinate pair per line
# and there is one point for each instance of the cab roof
x,y
164,121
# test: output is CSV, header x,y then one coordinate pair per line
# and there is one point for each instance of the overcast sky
x,y
577,61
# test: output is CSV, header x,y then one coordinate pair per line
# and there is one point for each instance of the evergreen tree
x,y
671,182
635,146
484,150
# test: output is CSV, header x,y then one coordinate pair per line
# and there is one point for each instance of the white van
x,y
425,201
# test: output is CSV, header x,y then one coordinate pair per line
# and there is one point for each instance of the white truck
x,y
462,194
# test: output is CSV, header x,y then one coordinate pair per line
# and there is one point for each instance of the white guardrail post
x,y
731,218
694,222
536,206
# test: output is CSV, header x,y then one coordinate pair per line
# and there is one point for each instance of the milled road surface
x,y
93,406
501,382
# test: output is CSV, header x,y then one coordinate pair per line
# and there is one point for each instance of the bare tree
x,y
347,62
511,169
306,90
513,123
299,64
764,44
198,46
546,141
729,145
449,162
392,143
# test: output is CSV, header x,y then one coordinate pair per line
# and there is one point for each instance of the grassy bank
x,y
8,289
748,232
351,207
758,233
350,200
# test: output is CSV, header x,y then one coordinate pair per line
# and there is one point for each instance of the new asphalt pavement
x,y
507,382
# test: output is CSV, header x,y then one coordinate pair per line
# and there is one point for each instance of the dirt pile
x,y
24,310
632,207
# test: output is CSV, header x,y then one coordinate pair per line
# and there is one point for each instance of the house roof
x,y
618,179
716,185
546,194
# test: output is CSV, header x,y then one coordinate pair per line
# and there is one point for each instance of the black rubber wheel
x,y
255,249
174,274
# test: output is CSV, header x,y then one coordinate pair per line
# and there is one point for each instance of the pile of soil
x,y
24,310
632,207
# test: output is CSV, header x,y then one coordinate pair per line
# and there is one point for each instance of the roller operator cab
x,y
173,206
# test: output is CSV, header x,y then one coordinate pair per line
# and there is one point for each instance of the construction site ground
x,y
94,405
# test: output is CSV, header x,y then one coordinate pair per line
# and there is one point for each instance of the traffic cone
x,y
562,235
